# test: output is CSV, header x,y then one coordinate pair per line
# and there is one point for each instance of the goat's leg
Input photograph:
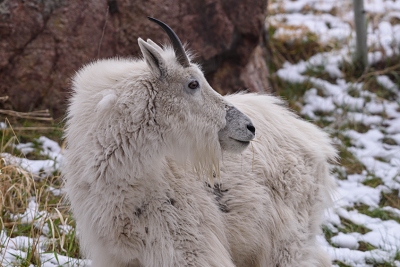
x,y
100,258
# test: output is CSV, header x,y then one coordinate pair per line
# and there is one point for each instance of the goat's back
x,y
275,192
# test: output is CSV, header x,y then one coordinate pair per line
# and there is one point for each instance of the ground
x,y
311,45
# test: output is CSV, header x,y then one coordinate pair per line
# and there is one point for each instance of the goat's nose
x,y
251,128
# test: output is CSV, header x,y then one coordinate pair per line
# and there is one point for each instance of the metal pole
x,y
361,55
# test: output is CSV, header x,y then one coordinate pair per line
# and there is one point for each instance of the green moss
x,y
350,227
354,92
376,213
364,246
328,233
319,72
373,86
302,48
373,182
349,161
397,256
358,127
341,264
291,92
380,264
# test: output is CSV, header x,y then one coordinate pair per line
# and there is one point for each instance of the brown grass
x,y
19,187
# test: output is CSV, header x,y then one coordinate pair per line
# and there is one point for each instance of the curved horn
x,y
176,43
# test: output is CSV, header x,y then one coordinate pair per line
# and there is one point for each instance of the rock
x,y
43,42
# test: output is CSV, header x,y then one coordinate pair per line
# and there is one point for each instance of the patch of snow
x,y
374,107
341,98
345,241
25,148
392,210
387,83
50,148
17,246
292,73
325,26
315,103
55,191
351,193
40,168
365,119
37,167
66,229
31,214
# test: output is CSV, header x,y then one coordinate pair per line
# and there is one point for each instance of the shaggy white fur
x,y
145,139
135,129
275,192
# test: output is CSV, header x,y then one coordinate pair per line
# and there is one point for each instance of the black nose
x,y
251,128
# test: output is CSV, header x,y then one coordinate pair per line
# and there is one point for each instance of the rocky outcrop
x,y
43,42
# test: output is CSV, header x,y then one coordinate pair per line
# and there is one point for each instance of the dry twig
x,y
43,115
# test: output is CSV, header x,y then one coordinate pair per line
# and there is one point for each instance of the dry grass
x,y
43,115
19,190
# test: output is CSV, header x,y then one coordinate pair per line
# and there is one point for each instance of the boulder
x,y
43,42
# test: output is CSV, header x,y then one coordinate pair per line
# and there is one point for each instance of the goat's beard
x,y
203,157
207,163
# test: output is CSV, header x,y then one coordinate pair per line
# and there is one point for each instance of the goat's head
x,y
195,116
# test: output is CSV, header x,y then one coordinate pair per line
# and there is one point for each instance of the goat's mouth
x,y
246,143
233,145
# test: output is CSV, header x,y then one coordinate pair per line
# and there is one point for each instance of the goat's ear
x,y
156,46
153,58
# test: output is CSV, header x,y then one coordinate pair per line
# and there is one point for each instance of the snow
x,y
31,213
316,103
32,166
39,168
394,211
332,99
345,241
351,193
55,191
387,83
25,148
17,247
338,28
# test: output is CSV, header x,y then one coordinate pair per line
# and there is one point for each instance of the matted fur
x,y
275,192
134,132
134,140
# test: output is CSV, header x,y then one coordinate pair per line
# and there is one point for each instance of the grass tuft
x,y
23,193
376,213
373,182
364,246
291,92
391,199
341,264
350,227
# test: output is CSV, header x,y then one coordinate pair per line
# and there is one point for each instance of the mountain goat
x,y
145,141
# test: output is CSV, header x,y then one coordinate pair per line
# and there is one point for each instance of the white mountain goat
x,y
145,139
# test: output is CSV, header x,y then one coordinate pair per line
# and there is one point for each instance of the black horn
x,y
176,43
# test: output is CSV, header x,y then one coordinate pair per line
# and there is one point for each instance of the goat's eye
x,y
193,84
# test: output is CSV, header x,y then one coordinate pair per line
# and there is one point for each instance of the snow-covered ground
x,y
337,101
342,102
13,250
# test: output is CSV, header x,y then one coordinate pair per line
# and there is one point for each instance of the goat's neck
x,y
144,162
